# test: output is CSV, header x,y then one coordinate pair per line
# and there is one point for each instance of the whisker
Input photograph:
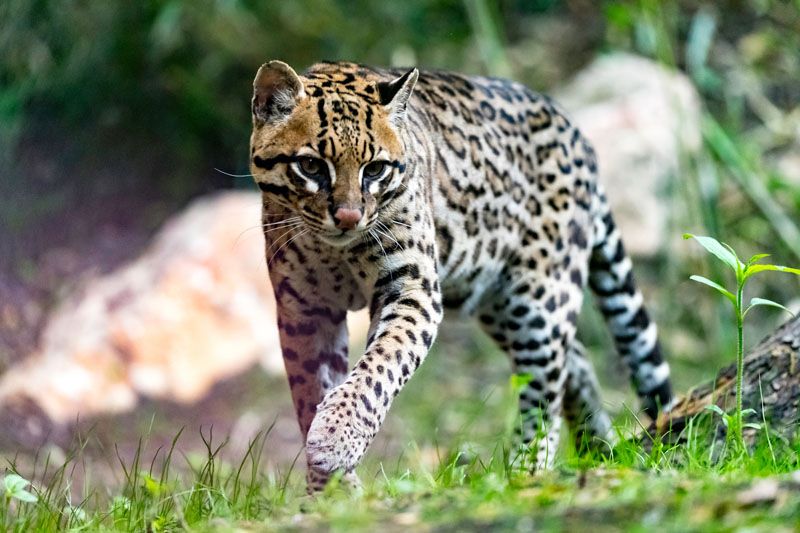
x,y
234,175
236,241
400,223
285,244
382,250
285,220
278,239
292,224
389,235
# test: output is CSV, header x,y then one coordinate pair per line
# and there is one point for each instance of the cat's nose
x,y
346,218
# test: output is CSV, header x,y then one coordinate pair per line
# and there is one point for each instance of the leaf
x,y
714,285
739,265
153,486
25,496
699,40
753,425
520,380
761,301
716,248
15,483
756,258
755,269
715,408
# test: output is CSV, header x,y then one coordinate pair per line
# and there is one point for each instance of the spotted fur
x,y
409,192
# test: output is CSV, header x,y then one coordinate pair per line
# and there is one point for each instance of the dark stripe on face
x,y
401,167
279,190
323,119
312,214
269,163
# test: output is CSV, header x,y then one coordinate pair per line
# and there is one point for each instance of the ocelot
x,y
411,192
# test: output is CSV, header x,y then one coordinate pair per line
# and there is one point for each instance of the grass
x,y
676,487
436,466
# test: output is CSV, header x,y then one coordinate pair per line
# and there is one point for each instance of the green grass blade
x,y
751,178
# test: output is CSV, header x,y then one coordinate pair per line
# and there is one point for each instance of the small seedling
x,y
743,271
15,489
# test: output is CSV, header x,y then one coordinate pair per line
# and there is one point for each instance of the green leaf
x,y
756,258
24,496
15,483
519,381
713,246
715,408
714,285
755,269
761,301
753,425
739,265
153,486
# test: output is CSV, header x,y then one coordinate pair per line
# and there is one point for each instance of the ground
x,y
438,465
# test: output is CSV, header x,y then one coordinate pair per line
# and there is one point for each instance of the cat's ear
x,y
276,91
394,95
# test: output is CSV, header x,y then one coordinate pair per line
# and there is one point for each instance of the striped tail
x,y
635,335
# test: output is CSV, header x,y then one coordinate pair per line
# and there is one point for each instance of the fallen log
x,y
771,387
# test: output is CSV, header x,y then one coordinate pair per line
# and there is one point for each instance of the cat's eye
x,y
312,167
375,170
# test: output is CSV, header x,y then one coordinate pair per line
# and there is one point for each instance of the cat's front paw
x,y
338,436
317,481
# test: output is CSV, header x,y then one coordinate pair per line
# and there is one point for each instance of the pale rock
x,y
642,119
788,164
196,308
762,491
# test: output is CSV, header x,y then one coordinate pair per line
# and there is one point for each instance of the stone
x,y
643,120
196,308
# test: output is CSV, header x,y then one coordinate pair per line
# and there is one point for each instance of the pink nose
x,y
346,218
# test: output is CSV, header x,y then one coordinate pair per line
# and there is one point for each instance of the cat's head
x,y
327,145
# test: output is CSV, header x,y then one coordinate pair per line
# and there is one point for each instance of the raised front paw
x,y
339,434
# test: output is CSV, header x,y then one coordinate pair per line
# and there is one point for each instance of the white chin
x,y
338,240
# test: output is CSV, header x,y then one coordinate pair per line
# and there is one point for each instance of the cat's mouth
x,y
339,237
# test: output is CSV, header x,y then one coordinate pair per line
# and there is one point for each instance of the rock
x,y
194,309
642,119
788,163
763,491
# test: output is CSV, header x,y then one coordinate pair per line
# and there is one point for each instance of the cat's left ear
x,y
394,95
276,91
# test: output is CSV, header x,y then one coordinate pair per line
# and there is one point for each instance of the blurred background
x,y
133,295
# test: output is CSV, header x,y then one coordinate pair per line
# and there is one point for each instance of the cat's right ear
x,y
276,91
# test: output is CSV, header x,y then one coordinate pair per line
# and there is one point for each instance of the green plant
x,y
15,488
743,271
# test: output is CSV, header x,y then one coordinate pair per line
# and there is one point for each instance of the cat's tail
x,y
635,334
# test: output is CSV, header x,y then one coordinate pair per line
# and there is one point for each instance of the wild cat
x,y
410,192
